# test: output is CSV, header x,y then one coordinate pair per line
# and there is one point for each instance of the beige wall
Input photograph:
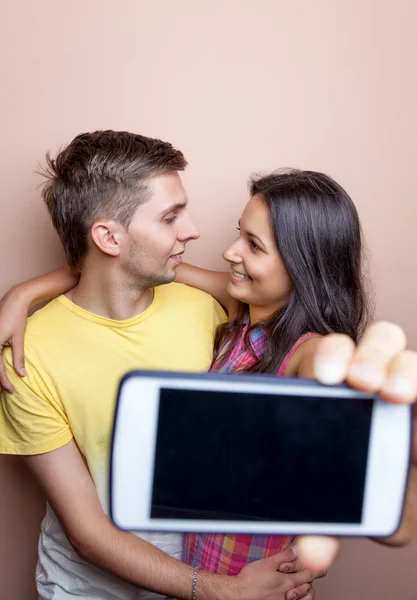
x,y
240,86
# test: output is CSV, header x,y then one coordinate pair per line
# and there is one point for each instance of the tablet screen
x,y
252,457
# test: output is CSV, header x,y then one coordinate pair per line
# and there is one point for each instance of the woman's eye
x,y
254,246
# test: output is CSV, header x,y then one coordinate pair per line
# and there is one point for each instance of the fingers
x,y
311,594
317,553
4,382
380,344
17,345
302,592
291,567
18,352
320,574
401,381
295,565
378,363
333,357
286,557
302,577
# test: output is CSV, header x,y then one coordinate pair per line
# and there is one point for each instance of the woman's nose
x,y
232,254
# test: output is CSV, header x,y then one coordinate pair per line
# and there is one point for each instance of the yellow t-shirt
x,y
74,362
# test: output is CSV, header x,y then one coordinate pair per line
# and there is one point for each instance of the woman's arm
x,y
40,289
212,282
301,363
16,302
14,308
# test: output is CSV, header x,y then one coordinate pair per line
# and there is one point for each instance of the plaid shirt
x,y
228,554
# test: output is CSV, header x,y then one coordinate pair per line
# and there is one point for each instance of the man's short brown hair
x,y
98,175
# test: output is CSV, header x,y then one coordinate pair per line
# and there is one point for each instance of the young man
x,y
118,204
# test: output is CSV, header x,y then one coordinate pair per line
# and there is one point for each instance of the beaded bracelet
x,y
194,596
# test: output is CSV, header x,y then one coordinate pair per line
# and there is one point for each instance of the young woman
x,y
295,275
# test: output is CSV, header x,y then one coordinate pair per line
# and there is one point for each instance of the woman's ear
x,y
107,236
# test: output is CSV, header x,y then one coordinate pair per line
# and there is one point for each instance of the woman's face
x,y
258,276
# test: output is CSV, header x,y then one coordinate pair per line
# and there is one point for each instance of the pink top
x,y
228,554
283,365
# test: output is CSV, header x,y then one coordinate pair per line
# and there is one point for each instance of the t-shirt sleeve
x,y
32,418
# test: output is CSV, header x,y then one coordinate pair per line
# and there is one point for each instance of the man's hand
x,y
278,576
380,364
13,317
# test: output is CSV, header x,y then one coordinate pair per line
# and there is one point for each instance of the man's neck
x,y
103,293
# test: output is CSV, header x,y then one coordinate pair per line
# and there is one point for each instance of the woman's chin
x,y
236,292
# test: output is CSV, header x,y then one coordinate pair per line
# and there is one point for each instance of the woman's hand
x,y
13,318
379,363
14,308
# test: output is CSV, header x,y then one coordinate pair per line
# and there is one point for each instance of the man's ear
x,y
107,236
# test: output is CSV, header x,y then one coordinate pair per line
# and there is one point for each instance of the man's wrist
x,y
211,586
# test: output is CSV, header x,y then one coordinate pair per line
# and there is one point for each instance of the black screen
x,y
238,456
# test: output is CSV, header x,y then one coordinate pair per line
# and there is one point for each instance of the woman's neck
x,y
258,314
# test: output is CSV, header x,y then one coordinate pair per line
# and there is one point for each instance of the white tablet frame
x,y
134,441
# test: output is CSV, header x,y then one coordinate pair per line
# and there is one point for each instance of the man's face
x,y
159,231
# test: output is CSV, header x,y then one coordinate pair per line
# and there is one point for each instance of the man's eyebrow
x,y
173,208
253,235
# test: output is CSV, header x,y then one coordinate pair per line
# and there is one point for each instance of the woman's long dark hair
x,y
318,235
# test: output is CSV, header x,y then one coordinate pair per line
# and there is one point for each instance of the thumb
x,y
18,352
316,552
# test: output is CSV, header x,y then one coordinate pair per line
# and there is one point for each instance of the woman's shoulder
x,y
299,360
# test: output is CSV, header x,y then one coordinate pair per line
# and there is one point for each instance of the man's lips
x,y
177,258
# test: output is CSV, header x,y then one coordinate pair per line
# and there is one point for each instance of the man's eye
x,y
170,219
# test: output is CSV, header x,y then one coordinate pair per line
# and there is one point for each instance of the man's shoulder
x,y
189,298
48,330
46,318
181,291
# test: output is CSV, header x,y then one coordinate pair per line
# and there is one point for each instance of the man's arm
x,y
71,493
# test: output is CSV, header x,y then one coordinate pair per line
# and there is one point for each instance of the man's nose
x,y
188,231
